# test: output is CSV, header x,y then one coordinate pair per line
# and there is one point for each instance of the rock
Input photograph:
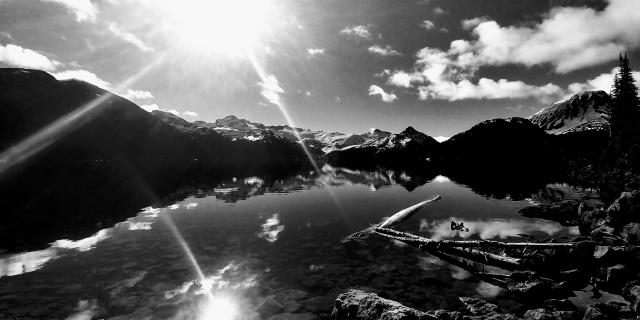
x,y
528,284
565,212
268,307
631,292
631,233
479,307
359,305
559,305
606,311
293,316
625,209
617,276
543,314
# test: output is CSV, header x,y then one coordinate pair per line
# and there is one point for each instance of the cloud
x,y
361,31
128,37
441,138
83,75
384,51
271,90
447,76
83,9
567,38
602,82
438,11
312,52
150,107
469,24
428,24
17,56
190,113
137,95
174,112
386,97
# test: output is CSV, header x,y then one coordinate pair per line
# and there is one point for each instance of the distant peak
x,y
410,130
230,117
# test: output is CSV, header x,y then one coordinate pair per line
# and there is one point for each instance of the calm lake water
x,y
251,249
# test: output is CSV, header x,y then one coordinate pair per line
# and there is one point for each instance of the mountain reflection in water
x,y
262,242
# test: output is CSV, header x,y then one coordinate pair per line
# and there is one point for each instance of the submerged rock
x,y
610,310
359,305
528,284
631,292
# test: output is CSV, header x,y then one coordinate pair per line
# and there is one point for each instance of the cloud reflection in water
x,y
271,228
489,229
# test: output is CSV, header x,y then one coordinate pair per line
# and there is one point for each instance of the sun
x,y
228,27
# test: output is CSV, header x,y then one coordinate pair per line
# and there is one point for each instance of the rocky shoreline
x,y
606,258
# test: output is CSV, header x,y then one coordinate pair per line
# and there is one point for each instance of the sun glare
x,y
219,308
229,27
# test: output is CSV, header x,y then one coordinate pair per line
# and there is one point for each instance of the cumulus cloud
x,y
441,138
83,75
271,90
567,38
386,97
438,11
190,113
448,76
428,24
312,52
361,31
602,82
384,51
137,95
128,37
468,24
82,9
17,56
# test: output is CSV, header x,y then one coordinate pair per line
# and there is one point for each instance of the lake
x,y
251,248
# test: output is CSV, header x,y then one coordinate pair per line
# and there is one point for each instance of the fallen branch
x,y
405,214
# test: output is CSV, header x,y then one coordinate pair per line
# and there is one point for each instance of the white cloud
x,y
428,24
312,52
83,9
174,112
469,24
271,90
438,11
567,38
150,107
402,79
17,56
137,95
361,31
83,75
190,113
386,97
384,51
602,82
441,138
487,89
128,37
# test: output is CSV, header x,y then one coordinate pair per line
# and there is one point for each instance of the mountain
x,y
580,124
585,111
109,156
500,143
409,147
318,141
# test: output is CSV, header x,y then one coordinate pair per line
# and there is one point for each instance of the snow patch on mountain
x,y
587,110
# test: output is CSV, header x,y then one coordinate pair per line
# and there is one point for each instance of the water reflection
x,y
490,229
259,250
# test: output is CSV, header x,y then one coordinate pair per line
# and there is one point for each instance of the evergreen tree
x,y
625,117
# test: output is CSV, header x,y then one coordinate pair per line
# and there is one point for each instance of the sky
x,y
337,65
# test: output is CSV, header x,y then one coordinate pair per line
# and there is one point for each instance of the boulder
x,y
626,208
617,276
544,314
631,292
360,305
631,233
608,311
479,307
565,212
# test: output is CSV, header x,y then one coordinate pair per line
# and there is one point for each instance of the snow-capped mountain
x,y
318,141
407,146
585,111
